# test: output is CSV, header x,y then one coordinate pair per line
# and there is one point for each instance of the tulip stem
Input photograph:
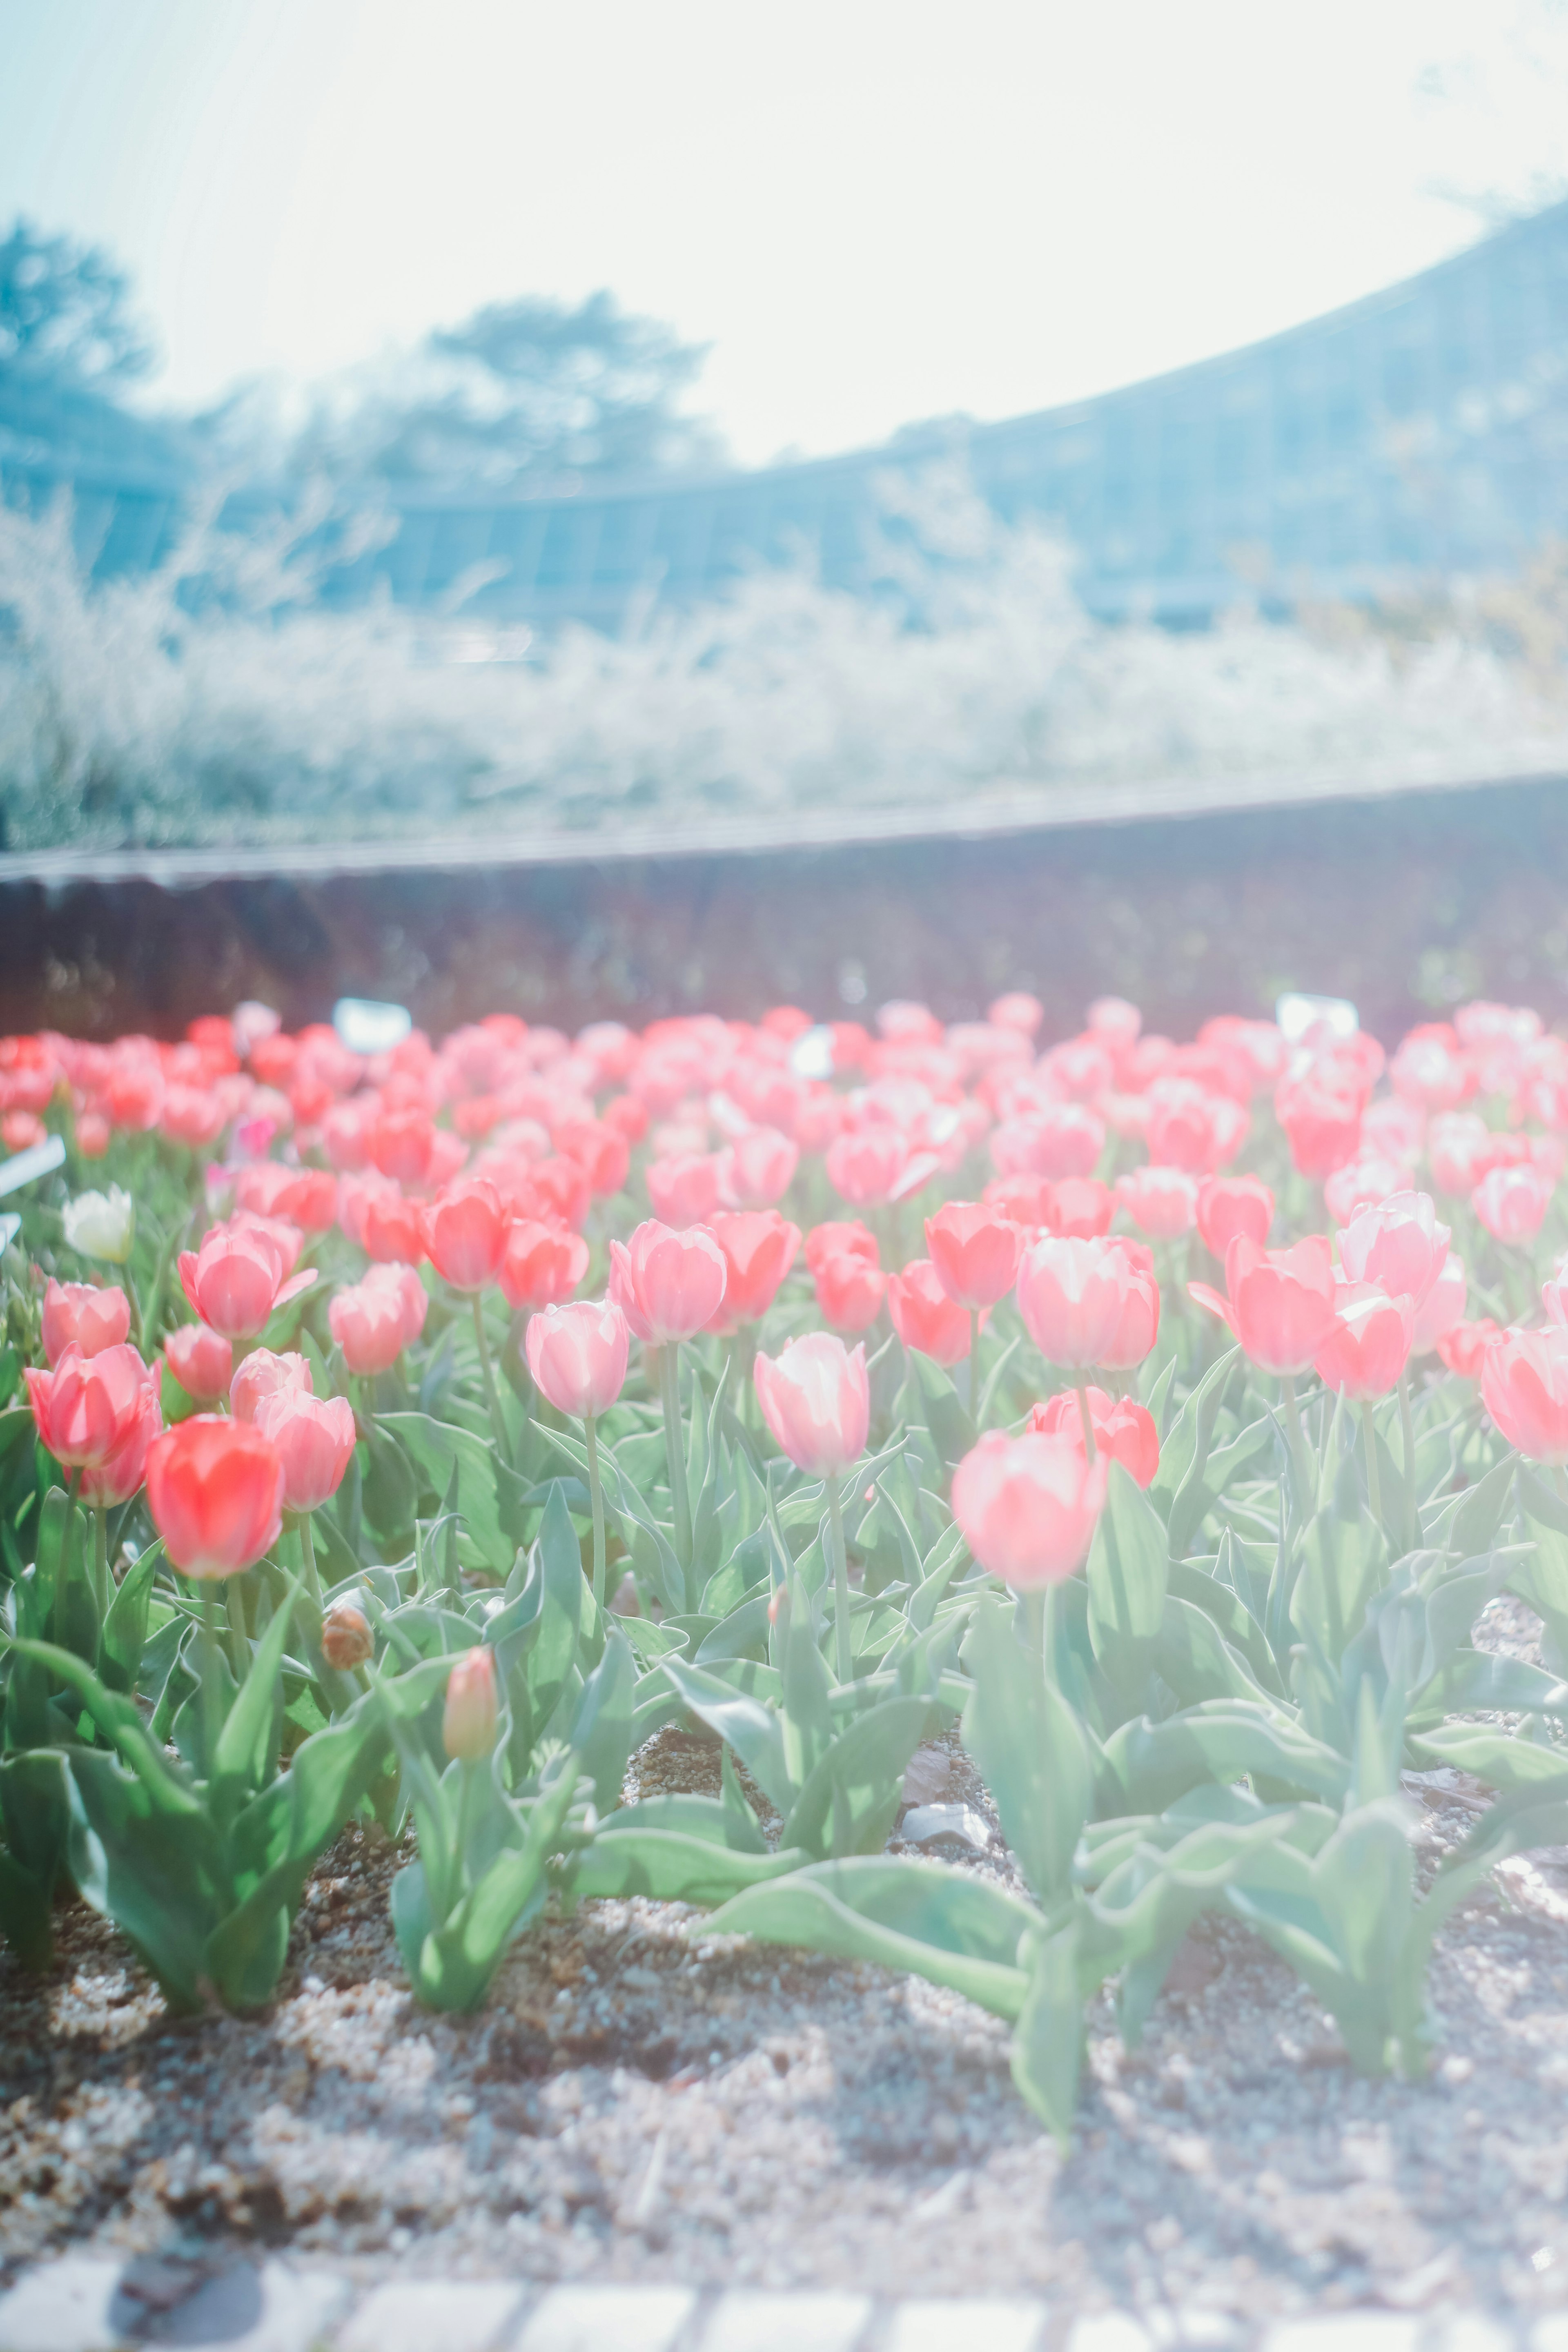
x,y
492,1398
308,1554
974,1362
238,1633
674,1446
1373,1484
596,1495
460,1875
840,1583
1408,1435
100,1567
63,1572
212,1697
1293,1422
1087,1417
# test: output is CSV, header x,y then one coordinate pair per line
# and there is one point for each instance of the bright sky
x,y
875,210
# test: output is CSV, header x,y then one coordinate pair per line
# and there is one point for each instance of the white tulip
x,y
101,1225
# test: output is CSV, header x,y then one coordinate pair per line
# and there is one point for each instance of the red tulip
x,y
816,1401
1368,1346
1512,1203
1282,1302
1524,1387
1229,1205
201,1361
759,1247
240,1275
81,1315
925,1315
215,1489
314,1437
468,1724
1028,1506
466,1234
264,1375
1123,1429
1071,1295
1161,1200
87,1407
577,1354
541,1264
667,1285
975,1252
1463,1348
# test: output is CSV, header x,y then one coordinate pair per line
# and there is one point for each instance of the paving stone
x,y
1347,2331
943,2324
61,2307
1109,2331
247,2309
608,2319
433,2316
786,2323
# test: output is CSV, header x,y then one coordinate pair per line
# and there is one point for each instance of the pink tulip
x,y
264,1375
468,1722
1123,1429
1512,1203
975,1252
1443,1309
1400,1245
1028,1506
1321,1122
88,1408
684,1189
215,1489
81,1315
757,1170
314,1437
925,1315
866,1165
542,1263
1463,1349
667,1285
577,1354
1018,1011
1282,1302
1056,1140
816,1401
850,1289
1161,1202
106,1485
1071,1295
1365,1182
759,1247
1190,1127
201,1361
240,1274
1229,1205
1524,1387
375,1319
1138,1326
466,1234
1368,1346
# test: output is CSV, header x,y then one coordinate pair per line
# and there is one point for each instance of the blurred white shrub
x,y
216,699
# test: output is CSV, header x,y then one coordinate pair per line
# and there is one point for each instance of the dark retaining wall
x,y
1408,904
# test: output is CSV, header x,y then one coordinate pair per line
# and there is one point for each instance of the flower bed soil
x,y
640,2102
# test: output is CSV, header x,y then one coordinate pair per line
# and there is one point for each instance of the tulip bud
x,y
346,1638
468,1726
101,1225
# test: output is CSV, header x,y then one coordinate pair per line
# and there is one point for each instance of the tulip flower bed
x,y
1151,1422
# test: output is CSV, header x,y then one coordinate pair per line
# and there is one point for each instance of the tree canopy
x,y
65,311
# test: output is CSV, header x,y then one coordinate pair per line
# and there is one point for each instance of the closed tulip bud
x,y
314,1437
101,1225
1463,1348
578,1355
239,1275
816,1401
1161,1202
684,1189
1366,1182
757,1170
469,1725
308,1199
87,1407
850,1289
80,1315
1229,1205
541,1264
1321,1124
1056,1140
1524,1387
1281,1304
841,1236
975,1252
215,1489
108,1484
1512,1203
759,1247
1442,1308
466,1234
925,1316
201,1361
667,1285
401,1144
866,1165
1079,1208
1399,1245
1368,1346
1123,1429
1028,1506
264,1375
346,1638
1071,1295
1190,1127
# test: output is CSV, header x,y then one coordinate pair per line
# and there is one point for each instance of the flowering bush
x,y
1164,1414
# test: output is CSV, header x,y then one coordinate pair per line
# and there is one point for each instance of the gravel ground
x,y
640,2102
